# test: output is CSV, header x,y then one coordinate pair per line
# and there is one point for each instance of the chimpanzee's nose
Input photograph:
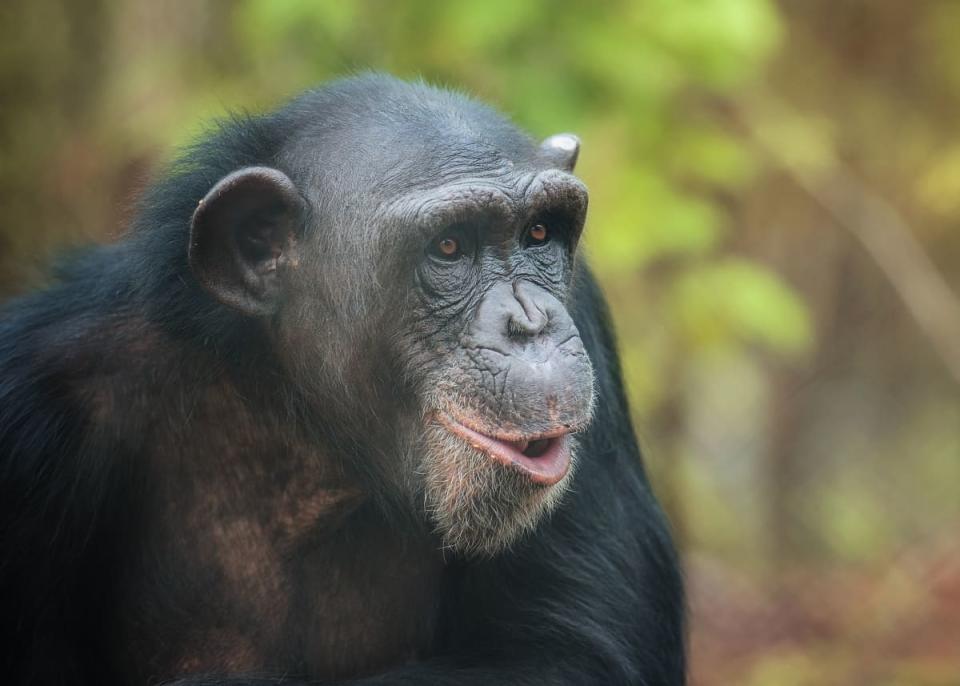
x,y
528,314
511,316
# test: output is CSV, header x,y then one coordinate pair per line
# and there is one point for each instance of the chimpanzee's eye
x,y
446,248
538,234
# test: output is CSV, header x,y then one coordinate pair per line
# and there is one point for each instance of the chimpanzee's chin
x,y
479,505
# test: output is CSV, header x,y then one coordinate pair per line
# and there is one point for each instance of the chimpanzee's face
x,y
424,306
501,374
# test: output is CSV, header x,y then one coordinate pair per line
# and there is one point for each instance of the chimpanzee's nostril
x,y
520,327
527,317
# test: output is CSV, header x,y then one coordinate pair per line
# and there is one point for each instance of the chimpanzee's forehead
x,y
405,136
415,159
389,160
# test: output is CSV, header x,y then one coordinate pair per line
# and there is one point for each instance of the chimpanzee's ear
x,y
561,150
241,233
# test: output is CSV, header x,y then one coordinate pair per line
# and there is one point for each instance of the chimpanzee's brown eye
x,y
538,234
446,248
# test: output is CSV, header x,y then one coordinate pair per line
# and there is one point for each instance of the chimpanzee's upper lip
x,y
547,466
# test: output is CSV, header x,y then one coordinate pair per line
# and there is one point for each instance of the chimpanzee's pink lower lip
x,y
544,459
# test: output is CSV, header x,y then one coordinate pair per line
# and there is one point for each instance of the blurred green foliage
x,y
799,428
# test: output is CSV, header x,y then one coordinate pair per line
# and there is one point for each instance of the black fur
x,y
594,596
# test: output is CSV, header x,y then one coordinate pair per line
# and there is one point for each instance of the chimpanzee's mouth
x,y
544,458
535,448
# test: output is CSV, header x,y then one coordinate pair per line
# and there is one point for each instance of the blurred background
x,y
775,216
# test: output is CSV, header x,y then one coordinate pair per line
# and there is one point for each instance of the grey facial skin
x,y
509,361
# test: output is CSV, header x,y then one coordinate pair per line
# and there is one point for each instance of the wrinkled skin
x,y
510,362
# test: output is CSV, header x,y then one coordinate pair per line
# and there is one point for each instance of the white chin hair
x,y
477,505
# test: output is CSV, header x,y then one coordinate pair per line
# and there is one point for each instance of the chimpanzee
x,y
343,406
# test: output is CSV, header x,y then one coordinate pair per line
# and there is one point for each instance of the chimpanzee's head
x,y
411,253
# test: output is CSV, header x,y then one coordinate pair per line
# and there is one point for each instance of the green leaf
x,y
735,300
